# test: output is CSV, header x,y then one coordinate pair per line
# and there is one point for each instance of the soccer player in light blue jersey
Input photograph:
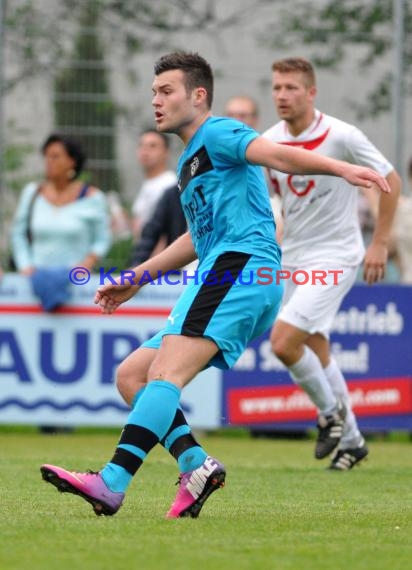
x,y
232,234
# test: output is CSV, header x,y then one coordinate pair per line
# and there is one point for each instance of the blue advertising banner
x,y
59,368
372,343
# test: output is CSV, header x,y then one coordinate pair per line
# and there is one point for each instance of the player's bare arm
x,y
299,161
377,253
181,252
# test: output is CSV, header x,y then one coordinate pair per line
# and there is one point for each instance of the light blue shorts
x,y
238,302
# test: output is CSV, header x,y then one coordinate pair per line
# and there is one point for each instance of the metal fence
x,y
65,89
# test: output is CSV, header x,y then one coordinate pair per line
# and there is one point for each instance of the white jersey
x,y
320,212
151,191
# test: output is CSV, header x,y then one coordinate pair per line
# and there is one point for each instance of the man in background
x,y
153,155
321,232
164,226
243,108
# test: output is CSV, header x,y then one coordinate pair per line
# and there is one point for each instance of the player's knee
x,y
122,379
277,343
281,347
128,382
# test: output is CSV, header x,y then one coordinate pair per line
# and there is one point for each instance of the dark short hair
x,y
196,69
301,64
160,134
71,146
410,168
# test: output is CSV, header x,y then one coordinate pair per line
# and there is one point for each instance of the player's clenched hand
x,y
110,296
365,177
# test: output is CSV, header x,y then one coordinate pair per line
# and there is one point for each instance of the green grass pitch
x,y
280,509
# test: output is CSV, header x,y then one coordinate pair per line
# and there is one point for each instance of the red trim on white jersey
x,y
299,192
311,144
275,182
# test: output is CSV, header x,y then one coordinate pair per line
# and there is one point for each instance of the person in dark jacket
x,y
167,221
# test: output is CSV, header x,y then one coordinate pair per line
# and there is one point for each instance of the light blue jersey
x,y
224,197
227,207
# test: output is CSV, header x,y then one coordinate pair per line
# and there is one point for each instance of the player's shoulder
x,y
211,130
337,125
216,124
220,133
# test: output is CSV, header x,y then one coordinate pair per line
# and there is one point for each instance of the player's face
x,y
243,110
174,107
292,96
152,151
57,162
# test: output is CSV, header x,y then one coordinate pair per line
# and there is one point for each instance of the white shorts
x,y
312,307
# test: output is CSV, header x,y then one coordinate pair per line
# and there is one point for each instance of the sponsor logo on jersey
x,y
194,165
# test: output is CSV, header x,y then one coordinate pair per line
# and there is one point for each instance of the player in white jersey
x,y
321,232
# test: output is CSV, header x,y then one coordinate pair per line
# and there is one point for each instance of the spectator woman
x,y
60,223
